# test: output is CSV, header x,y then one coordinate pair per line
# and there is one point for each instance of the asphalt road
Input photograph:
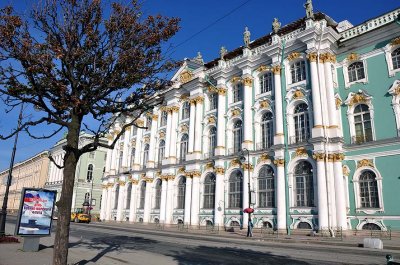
x,y
107,244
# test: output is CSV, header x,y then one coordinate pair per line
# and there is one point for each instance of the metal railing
x,y
297,140
263,146
360,139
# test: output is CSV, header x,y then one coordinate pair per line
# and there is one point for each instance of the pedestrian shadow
x,y
114,243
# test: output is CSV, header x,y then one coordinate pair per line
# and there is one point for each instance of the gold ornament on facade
x,y
234,163
219,171
301,152
329,58
353,57
279,162
264,104
199,100
164,177
298,94
263,158
154,117
319,156
183,97
134,181
171,177
146,139
121,183
104,186
312,57
221,91
338,102
148,180
184,128
236,79
211,120
181,170
110,137
357,98
158,173
140,123
248,81
248,166
338,157
331,157
365,163
345,170
293,56
164,108
395,41
235,112
263,68
276,69
185,76
143,176
110,185
212,89
209,166
175,109
161,135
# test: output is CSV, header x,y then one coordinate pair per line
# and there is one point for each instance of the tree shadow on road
x,y
114,243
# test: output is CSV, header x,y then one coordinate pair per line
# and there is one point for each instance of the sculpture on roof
x,y
199,58
309,9
223,51
246,37
276,25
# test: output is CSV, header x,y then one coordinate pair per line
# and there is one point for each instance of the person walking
x,y
250,229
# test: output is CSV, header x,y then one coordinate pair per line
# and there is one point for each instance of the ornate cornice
x,y
171,177
357,98
174,109
263,68
209,166
247,166
121,183
263,158
301,152
276,69
185,76
236,79
365,163
338,157
192,174
293,56
312,57
319,156
234,163
279,162
248,81
221,91
181,170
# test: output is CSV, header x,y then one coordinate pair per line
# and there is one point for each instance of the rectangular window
x,y
266,83
298,71
213,101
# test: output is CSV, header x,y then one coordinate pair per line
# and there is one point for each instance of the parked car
x,y
79,216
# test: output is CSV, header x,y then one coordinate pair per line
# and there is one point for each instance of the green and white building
x,y
89,172
320,125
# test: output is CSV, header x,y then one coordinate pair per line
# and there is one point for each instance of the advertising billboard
x,y
35,212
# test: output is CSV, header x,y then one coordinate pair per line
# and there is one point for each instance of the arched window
x,y
237,136
298,71
181,193
133,151
356,71
146,154
304,225
362,124
183,147
120,159
236,189
371,226
89,174
237,92
209,191
267,130
266,82
301,123
212,140
116,197
304,187
213,100
128,196
396,58
266,187
161,151
186,110
369,190
148,123
87,197
157,202
142,195
164,117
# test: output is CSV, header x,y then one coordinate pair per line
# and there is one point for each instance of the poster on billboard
x,y
35,212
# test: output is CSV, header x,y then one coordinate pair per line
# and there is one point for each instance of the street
x,y
103,243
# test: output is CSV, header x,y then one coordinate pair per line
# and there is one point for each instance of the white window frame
x,y
356,187
290,118
258,85
288,74
388,56
346,64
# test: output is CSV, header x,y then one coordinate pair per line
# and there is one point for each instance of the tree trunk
x,y
60,252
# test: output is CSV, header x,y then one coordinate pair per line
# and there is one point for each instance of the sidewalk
x,y
79,253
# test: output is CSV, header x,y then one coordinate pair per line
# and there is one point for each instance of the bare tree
x,y
72,62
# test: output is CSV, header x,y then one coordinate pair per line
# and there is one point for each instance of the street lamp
x,y
243,159
3,213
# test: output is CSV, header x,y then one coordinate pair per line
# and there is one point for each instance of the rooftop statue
x,y
276,25
246,37
223,51
309,9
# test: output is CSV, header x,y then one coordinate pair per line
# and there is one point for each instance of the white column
x,y
163,204
245,196
147,202
219,197
121,199
322,91
341,211
316,100
168,134
174,127
195,200
114,160
132,209
170,201
109,159
188,200
280,195
220,150
109,197
103,210
152,140
138,147
333,119
248,116
125,157
322,192
331,192
278,101
198,128
191,126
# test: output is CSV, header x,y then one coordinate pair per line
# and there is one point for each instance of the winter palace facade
x,y
313,108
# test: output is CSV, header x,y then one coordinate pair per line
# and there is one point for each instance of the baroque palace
x,y
313,107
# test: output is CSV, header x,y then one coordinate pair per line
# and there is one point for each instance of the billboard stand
x,y
35,216
31,244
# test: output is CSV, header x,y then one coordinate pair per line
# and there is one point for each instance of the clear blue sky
x,y
196,16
